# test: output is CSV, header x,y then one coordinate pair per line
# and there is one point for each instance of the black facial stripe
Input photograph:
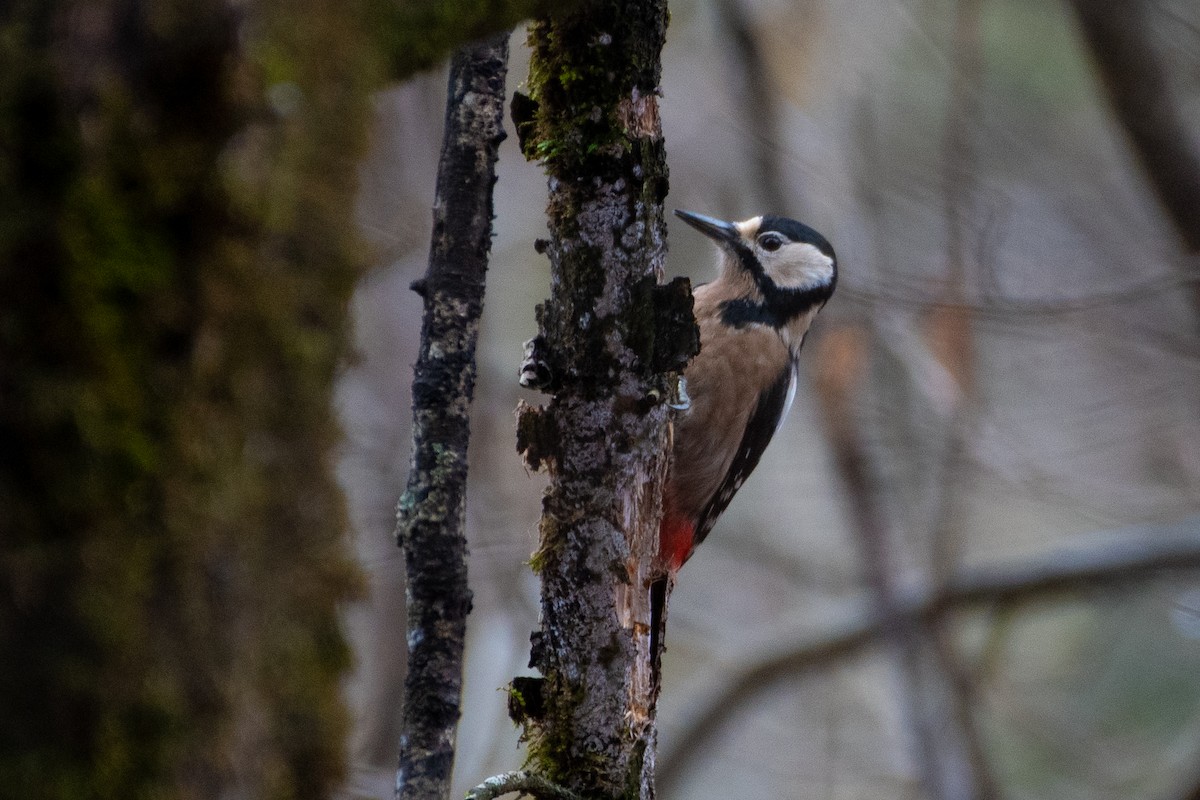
x,y
744,311
751,264
789,303
779,304
778,307
748,260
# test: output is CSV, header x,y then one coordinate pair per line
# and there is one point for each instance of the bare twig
x,y
526,783
1103,561
838,381
959,763
1001,307
431,514
966,67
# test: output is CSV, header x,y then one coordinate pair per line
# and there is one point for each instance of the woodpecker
x,y
774,275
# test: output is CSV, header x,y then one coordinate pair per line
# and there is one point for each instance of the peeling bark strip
x,y
612,336
431,513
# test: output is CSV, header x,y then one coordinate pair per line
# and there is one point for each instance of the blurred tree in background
x,y
176,256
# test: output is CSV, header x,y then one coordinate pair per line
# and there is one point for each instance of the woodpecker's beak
x,y
717,229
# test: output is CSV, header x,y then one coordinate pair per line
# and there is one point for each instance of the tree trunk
x,y
432,513
610,338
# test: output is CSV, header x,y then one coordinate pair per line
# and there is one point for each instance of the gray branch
x,y
431,514
525,783
609,337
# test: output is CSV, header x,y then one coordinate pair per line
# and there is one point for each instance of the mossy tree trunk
x,y
176,261
610,338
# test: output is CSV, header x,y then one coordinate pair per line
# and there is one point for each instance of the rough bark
x,y
432,512
610,336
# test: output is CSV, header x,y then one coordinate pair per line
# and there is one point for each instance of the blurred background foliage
x,y
1025,316
185,191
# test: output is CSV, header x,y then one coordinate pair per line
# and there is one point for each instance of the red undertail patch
x,y
676,538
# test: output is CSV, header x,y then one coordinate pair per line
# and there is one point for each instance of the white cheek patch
x,y
800,266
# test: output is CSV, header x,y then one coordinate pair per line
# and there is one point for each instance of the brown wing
x,y
739,387
761,426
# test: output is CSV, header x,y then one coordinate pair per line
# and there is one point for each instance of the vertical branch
x,y
945,744
841,374
950,337
432,512
1136,77
757,99
609,337
946,325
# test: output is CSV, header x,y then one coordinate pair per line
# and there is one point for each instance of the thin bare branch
x,y
525,783
757,99
432,513
876,534
1000,307
960,763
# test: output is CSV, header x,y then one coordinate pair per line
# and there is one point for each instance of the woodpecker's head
x,y
780,254
780,271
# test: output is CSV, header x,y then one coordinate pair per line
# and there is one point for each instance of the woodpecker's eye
x,y
770,242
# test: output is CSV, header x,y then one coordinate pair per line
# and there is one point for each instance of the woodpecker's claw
x,y
535,372
679,399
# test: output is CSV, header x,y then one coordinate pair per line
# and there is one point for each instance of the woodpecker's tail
x,y
659,590
676,540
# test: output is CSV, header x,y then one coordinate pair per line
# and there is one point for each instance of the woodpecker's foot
x,y
535,372
679,399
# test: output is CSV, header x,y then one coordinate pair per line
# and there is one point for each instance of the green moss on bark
x,y
417,34
579,76
592,121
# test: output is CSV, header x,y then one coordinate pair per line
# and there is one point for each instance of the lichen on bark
x,y
613,339
432,513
